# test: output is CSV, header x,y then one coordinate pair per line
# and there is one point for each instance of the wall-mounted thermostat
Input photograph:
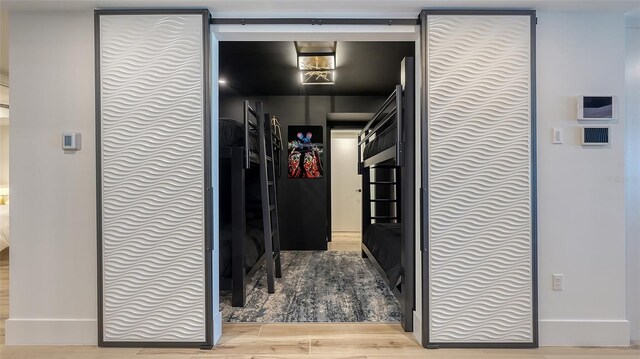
x,y
595,108
71,141
595,136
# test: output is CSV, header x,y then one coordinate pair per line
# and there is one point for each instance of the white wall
x,y
580,197
53,269
632,177
53,225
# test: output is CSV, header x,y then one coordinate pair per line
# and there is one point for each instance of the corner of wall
x,y
632,172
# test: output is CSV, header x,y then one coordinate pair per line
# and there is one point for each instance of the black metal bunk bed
x,y
386,162
248,202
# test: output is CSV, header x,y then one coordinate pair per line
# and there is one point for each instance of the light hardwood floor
x,y
296,340
312,341
344,241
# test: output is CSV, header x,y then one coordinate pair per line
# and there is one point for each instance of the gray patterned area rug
x,y
317,286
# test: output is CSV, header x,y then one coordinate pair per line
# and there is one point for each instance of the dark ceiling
x,y
269,69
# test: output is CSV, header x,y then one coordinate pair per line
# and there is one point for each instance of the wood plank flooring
x,y
296,340
345,242
312,341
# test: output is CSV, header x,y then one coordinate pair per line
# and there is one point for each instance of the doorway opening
x,y
321,273
345,191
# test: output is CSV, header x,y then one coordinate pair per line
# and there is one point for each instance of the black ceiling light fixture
x,y
316,62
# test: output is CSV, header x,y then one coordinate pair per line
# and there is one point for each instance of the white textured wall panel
x,y
153,177
480,239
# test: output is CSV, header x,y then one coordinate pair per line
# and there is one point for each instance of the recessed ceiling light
x,y
222,81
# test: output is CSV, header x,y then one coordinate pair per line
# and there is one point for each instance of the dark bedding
x,y
381,142
231,134
383,241
254,240
253,244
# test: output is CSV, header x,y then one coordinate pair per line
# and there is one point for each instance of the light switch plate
x,y
558,136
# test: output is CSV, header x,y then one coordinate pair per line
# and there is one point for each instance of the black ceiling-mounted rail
x,y
311,21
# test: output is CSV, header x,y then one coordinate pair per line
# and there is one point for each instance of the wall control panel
x,y
595,136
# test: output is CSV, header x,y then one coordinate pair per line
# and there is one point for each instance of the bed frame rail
x,y
249,124
389,114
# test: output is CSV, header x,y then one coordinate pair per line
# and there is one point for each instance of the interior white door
x,y
346,184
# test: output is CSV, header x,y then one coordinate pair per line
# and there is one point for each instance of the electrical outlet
x,y
557,281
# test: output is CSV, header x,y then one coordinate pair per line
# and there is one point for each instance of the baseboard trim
x,y
417,327
51,331
217,328
584,333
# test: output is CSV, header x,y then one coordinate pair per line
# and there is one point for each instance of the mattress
x,y
231,134
253,245
383,241
381,142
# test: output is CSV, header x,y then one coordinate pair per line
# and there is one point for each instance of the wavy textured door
x,y
152,128
481,208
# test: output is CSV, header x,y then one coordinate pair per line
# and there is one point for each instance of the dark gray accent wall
x,y
302,203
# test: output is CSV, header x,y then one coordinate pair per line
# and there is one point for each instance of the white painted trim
x,y
336,33
215,170
51,331
217,328
344,134
417,323
584,332
417,327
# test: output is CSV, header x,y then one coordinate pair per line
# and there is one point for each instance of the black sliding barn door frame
x,y
312,21
207,175
424,197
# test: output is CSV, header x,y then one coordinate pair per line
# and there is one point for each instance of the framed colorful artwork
x,y
305,152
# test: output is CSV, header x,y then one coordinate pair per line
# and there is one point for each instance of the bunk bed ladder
x,y
269,201
273,196
390,200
